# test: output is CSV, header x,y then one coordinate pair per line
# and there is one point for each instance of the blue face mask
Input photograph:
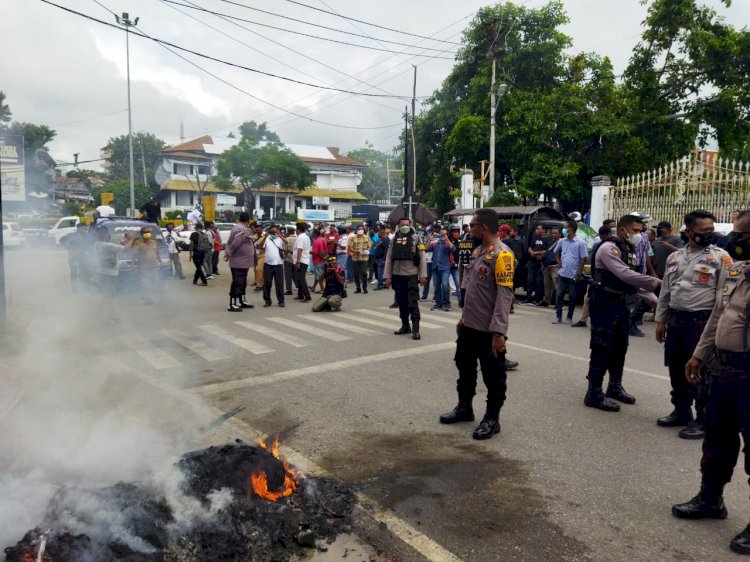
x,y
564,231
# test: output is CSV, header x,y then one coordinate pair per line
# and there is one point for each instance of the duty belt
x,y
735,359
612,292
680,316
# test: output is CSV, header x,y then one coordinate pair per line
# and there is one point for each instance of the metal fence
x,y
702,180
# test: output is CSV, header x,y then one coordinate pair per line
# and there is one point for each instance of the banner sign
x,y
12,175
312,215
209,207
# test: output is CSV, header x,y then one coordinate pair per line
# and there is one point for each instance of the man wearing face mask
x,y
406,269
615,279
693,278
359,254
726,338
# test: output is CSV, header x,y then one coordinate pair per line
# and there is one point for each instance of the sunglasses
x,y
475,224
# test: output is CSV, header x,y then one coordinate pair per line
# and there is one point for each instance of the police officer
x,y
484,323
727,338
406,269
693,278
615,279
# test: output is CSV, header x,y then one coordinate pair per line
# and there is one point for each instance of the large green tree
x,y
5,113
121,191
146,150
37,163
258,160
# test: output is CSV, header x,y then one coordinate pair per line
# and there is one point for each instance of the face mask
x,y
272,236
146,235
360,232
635,238
704,239
404,229
564,231
738,248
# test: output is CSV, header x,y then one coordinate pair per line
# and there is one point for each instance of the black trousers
x,y
239,282
475,346
406,288
273,274
300,270
289,275
610,324
683,333
198,259
215,262
727,417
360,274
535,282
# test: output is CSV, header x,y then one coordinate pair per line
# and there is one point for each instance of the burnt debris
x,y
137,522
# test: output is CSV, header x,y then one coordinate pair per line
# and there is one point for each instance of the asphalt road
x,y
561,482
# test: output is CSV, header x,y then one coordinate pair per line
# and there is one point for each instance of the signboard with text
x,y
12,175
313,215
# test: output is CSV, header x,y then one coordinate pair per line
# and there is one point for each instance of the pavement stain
x,y
473,501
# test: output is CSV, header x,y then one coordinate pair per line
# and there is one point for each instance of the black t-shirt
x,y
333,285
518,247
661,253
538,244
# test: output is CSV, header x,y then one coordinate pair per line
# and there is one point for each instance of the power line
x,y
362,21
196,7
208,57
88,118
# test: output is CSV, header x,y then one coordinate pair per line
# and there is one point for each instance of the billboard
x,y
314,215
12,176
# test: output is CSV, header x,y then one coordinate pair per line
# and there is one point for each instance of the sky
x,y
69,73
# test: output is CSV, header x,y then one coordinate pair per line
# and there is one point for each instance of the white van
x,y
13,234
63,227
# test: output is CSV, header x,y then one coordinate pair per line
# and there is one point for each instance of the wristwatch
x,y
498,334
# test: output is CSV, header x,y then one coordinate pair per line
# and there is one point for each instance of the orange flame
x,y
291,477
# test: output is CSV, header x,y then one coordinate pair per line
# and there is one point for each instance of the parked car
x,y
13,235
63,227
224,229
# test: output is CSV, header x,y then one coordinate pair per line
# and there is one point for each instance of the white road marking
x,y
439,318
389,325
249,345
324,368
280,336
315,317
393,319
299,326
423,544
157,358
198,347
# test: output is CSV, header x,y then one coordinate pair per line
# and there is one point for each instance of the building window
x,y
204,170
174,168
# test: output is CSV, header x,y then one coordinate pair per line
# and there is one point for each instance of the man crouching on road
x,y
488,281
333,289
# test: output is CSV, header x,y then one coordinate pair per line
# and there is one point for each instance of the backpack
x,y
204,244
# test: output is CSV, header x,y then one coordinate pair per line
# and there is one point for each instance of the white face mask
x,y
360,232
635,238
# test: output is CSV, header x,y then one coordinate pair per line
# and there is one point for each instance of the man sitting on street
x,y
333,291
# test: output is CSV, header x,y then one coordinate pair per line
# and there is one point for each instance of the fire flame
x,y
291,476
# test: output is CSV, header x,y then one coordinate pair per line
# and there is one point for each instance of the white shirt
x,y
105,211
272,247
171,239
342,244
194,216
303,241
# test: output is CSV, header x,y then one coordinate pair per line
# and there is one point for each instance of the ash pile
x,y
236,502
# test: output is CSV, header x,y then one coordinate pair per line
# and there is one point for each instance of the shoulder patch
x,y
727,262
614,250
734,272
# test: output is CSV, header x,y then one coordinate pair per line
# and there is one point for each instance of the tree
x,y
254,163
121,191
39,174
375,177
146,150
205,168
5,113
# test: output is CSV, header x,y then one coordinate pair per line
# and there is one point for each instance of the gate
x,y
699,181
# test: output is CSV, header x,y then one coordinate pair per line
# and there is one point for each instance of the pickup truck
x,y
63,227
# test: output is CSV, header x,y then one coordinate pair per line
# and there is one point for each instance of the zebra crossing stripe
x,y
198,347
280,336
316,317
394,319
157,358
440,318
331,336
246,344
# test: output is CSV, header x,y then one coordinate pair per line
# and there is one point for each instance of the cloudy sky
x,y
67,72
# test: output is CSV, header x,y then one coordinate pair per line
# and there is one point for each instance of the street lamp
x,y
125,21
275,191
493,110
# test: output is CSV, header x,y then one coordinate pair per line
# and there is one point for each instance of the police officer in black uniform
x,y
406,269
615,278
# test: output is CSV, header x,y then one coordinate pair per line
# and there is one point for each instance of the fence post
x,y
600,187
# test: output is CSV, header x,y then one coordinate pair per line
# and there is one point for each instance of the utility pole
x,y
127,24
143,164
493,110
413,137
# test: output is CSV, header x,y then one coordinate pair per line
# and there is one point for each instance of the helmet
x,y
454,226
575,216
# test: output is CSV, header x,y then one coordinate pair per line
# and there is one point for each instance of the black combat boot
x,y
616,391
462,412
233,306
415,331
680,417
486,428
708,504
244,303
741,543
694,430
404,329
595,397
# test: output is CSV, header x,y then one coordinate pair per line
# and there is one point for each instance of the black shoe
x,y
741,543
694,430
245,304
697,508
233,306
364,290
635,331
288,293
580,324
486,428
617,392
676,419
258,289
357,291
415,335
598,400
461,413
267,304
195,281
394,305
404,329
510,365
282,305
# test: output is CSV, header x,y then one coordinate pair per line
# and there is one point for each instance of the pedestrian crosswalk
x,y
172,348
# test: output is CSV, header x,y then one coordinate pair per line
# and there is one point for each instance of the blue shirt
x,y
571,253
441,260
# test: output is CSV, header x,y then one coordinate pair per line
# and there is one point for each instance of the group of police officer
x,y
702,315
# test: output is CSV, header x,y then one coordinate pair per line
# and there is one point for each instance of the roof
x,y
207,146
184,185
333,194
508,212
